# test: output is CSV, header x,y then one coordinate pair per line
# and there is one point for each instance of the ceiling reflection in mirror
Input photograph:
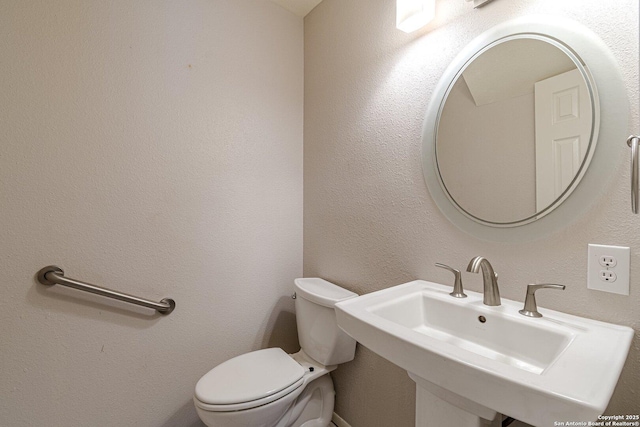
x,y
515,131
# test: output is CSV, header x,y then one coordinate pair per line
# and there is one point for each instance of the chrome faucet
x,y
490,278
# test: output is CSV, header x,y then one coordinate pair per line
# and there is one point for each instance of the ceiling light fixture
x,y
414,14
479,3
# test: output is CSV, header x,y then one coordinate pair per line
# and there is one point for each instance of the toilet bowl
x,y
270,388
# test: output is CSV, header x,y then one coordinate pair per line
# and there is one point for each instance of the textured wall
x,y
369,221
154,147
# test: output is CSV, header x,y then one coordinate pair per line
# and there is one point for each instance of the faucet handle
x,y
458,292
530,307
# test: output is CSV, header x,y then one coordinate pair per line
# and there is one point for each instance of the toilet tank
x,y
318,332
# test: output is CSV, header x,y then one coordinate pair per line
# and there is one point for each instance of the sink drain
x,y
482,319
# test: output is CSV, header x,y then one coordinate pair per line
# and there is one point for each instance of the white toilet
x,y
270,388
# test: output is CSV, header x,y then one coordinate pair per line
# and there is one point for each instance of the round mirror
x,y
511,134
515,130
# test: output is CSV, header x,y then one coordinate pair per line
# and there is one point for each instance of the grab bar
x,y
633,142
52,275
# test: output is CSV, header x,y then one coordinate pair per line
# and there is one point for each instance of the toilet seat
x,y
249,380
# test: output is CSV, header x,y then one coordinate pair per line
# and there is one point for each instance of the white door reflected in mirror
x,y
563,129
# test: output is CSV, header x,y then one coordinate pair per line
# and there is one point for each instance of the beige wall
x,y
369,220
154,147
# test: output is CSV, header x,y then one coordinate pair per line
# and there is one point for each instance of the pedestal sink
x,y
485,361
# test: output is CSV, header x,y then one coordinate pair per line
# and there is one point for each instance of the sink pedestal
x,y
436,406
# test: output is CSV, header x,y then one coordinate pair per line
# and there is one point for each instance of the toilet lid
x,y
248,377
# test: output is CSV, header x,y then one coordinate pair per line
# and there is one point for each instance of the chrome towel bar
x,y
633,142
52,275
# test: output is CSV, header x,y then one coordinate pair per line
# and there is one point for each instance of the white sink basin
x,y
538,370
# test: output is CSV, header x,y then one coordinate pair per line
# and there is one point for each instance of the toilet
x,y
270,388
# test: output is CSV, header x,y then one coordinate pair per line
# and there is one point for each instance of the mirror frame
x,y
600,70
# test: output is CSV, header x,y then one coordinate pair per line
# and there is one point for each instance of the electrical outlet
x,y
608,276
608,261
608,268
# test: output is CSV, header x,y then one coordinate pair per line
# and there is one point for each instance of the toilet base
x,y
317,402
311,405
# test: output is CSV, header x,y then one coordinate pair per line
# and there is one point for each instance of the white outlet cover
x,y
622,255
